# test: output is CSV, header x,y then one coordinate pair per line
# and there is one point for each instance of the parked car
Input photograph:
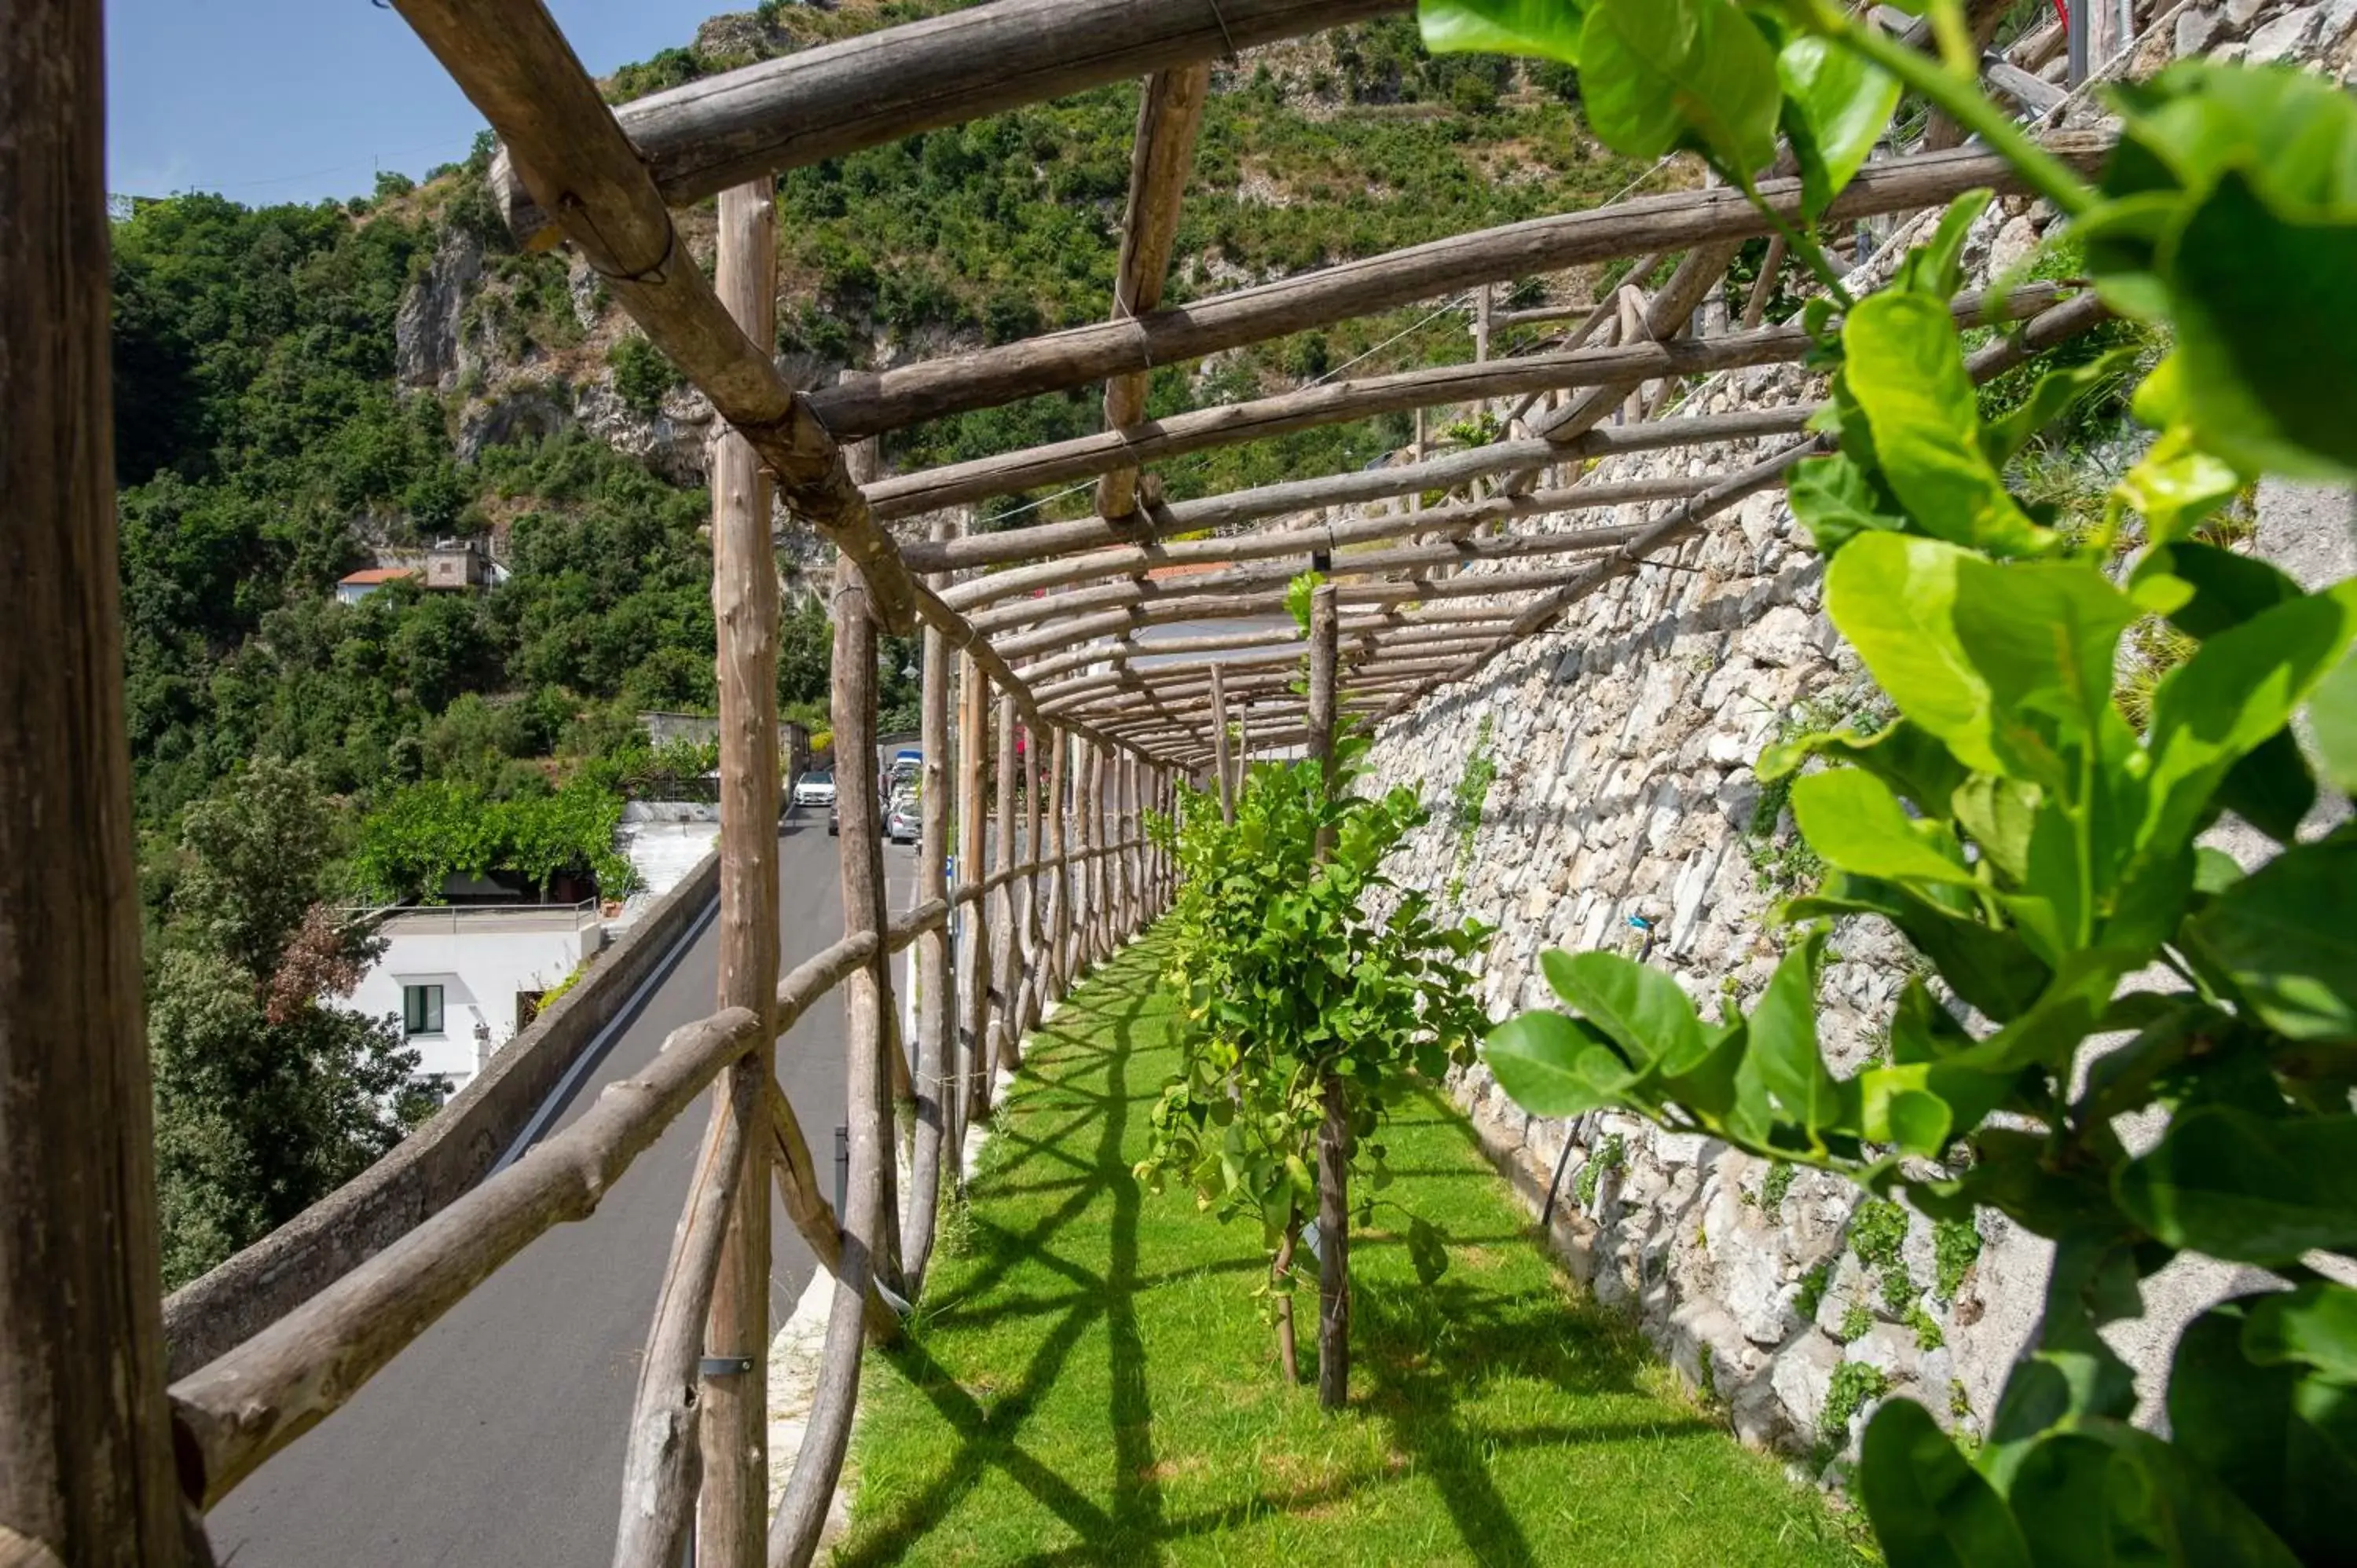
x,y
902,823
814,789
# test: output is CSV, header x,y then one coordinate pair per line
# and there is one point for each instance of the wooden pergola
x,y
1077,720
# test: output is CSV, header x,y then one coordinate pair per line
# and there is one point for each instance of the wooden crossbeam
x,y
513,64
1233,508
1338,401
1388,629
1058,361
823,102
1054,697
1161,157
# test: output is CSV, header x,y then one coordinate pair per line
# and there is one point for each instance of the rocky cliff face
x,y
1623,741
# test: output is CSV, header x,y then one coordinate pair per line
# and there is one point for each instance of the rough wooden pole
x,y
973,731
1060,907
1220,760
1085,903
1334,1135
85,1437
1755,307
802,1514
732,1512
1031,990
935,1034
1003,954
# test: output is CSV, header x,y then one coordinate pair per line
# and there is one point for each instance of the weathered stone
x,y
1801,1375
2286,36
2196,27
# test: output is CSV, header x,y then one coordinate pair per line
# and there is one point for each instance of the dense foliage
x,y
268,1096
1295,990
2039,851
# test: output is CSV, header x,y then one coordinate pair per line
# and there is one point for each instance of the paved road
x,y
496,1440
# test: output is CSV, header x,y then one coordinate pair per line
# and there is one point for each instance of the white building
x,y
463,980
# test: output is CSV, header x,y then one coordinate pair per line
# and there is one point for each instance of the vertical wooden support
x,y
1100,863
1060,905
793,1536
1755,307
1031,959
1084,879
1132,859
1481,326
972,1057
86,1472
732,1512
935,1034
1334,1135
1003,956
1220,766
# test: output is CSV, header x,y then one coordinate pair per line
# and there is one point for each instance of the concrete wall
x,y
483,959
436,1163
1623,741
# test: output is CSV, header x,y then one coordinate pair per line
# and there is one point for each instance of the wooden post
x,y
1481,325
1334,1135
793,1536
1085,897
1220,760
86,1475
1060,907
732,1512
1755,307
936,1037
1003,965
973,1060
1033,959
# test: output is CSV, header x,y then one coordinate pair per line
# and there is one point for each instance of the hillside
x,y
302,390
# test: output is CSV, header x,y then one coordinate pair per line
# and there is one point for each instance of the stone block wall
x,y
1623,741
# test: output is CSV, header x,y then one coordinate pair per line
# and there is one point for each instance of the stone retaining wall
x,y
1623,741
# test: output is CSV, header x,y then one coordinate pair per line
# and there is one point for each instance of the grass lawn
x,y
1090,1379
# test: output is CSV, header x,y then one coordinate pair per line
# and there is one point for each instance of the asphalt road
x,y
495,1441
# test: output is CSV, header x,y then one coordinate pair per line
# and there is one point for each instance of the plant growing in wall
x,y
1289,982
2035,847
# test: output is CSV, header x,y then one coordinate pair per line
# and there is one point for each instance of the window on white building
x,y
421,1009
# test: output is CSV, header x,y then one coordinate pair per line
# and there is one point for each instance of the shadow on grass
x,y
1426,1355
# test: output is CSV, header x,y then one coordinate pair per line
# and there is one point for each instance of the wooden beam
x,y
513,64
1161,157
86,1472
1384,628
1003,1040
793,1534
1234,507
1220,759
972,1061
838,98
1337,402
732,1510
936,1038
1056,361
1082,629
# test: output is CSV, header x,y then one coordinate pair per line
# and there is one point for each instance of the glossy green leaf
x,y
1661,73
2248,1190
1836,499
1902,754
2270,787
1922,1106
2241,1416
1549,29
1426,1253
2315,1325
2178,483
1641,1008
1906,368
1992,970
1836,106
1931,1509
1550,1066
2286,937
2053,395
2332,712
1936,268
1783,1034
1851,818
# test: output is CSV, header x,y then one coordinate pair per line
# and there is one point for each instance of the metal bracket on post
x,y
841,1174
724,1366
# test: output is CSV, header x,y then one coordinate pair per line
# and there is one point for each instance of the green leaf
x,y
1836,501
2111,1495
1783,1034
2228,588
2286,937
2270,787
2315,1325
1851,818
1552,1066
1659,74
1642,1009
1992,970
2241,1416
2047,400
2332,711
1548,28
1936,268
1902,755
1836,106
1922,1106
2248,1190
1906,368
1931,1509
2262,318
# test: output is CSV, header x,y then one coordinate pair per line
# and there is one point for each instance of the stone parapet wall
x,y
1623,741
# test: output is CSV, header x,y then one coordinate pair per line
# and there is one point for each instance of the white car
x,y
814,789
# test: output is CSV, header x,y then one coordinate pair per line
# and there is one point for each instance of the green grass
x,y
1090,1379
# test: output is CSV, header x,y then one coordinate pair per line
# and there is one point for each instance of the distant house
x,y
358,585
464,980
452,566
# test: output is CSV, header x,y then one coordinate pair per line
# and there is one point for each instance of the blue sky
x,y
271,100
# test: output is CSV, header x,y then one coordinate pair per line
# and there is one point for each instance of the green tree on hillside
x,y
267,1096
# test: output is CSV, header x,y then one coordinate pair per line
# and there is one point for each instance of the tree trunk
x,y
1334,1135
86,1468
